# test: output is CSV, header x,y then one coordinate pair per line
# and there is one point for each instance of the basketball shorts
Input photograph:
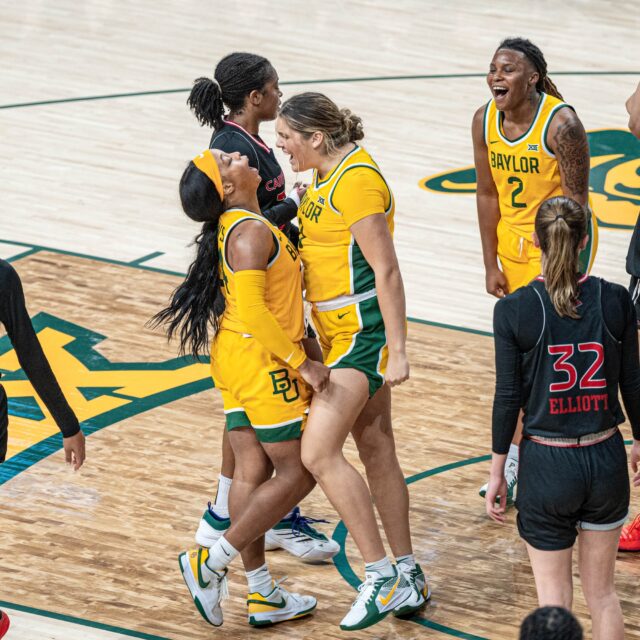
x,y
520,259
561,490
258,390
353,337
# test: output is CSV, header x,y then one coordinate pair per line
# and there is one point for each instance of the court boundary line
x,y
432,76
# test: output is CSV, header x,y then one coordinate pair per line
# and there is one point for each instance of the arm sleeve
x,y
14,316
507,399
281,212
360,192
260,322
630,367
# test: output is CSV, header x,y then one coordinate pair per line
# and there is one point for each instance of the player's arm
x,y
506,402
374,239
249,249
567,139
488,209
14,316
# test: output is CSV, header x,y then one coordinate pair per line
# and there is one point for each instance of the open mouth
x,y
499,91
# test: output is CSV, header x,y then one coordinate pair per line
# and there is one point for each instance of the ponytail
x,y
205,100
351,126
561,224
197,303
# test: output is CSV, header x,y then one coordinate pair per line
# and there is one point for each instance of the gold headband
x,y
208,165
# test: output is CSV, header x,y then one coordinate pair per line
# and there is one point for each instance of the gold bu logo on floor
x,y
614,183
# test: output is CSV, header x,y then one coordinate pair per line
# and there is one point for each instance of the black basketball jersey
x,y
570,378
274,204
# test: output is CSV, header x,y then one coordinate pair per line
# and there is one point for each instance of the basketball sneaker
x,y
4,623
511,475
278,606
420,591
299,538
206,595
377,597
630,536
211,527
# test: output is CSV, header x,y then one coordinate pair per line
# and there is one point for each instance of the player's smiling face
x,y
510,79
294,145
235,170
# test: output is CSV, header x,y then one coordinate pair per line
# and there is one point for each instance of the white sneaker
x,y
420,591
299,538
511,475
278,606
206,595
377,597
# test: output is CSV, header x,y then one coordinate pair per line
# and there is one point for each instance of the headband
x,y
208,165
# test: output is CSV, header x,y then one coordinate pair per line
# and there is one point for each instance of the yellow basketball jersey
x,y
525,170
284,280
333,263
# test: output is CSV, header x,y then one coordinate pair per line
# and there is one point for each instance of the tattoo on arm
x,y
572,150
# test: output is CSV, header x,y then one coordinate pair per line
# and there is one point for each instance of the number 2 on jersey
x,y
516,192
562,365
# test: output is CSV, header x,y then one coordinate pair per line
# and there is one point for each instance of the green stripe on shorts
x,y
235,419
291,431
366,351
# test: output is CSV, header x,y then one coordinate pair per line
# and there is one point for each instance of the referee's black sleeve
x,y
14,317
630,369
507,400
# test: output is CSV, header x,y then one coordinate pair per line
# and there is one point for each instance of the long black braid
x,y
198,302
236,76
536,58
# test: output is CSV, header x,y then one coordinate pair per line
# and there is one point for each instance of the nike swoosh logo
x,y
342,315
201,580
276,605
385,601
493,141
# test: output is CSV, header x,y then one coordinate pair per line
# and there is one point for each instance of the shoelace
x,y
369,581
223,585
301,524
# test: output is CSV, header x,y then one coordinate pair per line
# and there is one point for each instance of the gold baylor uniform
x,y
258,388
339,282
526,173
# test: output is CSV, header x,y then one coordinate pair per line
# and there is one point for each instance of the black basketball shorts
x,y
561,490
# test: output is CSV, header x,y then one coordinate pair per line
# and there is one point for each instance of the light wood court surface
x,y
89,215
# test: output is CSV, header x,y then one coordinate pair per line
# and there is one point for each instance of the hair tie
x,y
208,165
217,84
559,216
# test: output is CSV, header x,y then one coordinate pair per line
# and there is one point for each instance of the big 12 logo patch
x,y
614,183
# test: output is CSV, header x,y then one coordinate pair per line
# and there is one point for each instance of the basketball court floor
x,y
95,133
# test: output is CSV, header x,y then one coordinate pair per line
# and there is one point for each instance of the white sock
x,y
409,561
383,568
259,581
221,503
514,452
220,555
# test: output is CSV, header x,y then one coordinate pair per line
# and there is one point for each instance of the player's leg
x,y
553,576
374,438
597,561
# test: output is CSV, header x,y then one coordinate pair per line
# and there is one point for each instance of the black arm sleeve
x,y
630,366
14,316
508,395
281,213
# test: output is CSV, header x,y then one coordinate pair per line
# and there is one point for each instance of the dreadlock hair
x,y
309,112
235,77
198,302
561,224
550,623
536,58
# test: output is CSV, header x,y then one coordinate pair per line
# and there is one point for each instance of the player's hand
x,y
397,369
497,487
301,188
315,374
74,453
635,462
496,283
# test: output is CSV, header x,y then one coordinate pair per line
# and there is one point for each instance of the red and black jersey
x,y
565,373
274,204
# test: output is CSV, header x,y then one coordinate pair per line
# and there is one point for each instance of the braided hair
x,y
536,58
550,623
234,78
